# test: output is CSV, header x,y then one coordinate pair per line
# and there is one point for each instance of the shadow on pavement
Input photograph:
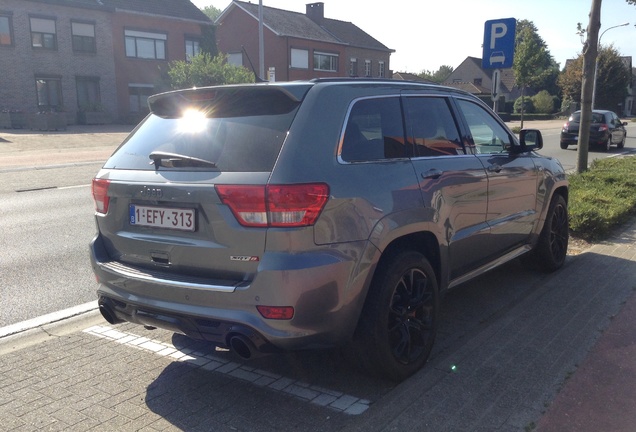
x,y
507,342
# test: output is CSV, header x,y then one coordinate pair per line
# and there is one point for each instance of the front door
x,y
512,180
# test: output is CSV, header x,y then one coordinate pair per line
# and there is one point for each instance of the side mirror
x,y
624,123
531,139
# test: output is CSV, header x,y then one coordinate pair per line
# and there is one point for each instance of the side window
x,y
488,135
374,131
431,127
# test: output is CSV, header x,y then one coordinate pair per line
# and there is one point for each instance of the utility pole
x,y
590,52
261,43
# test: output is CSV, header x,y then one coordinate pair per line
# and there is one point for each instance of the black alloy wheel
x,y
552,249
399,320
559,231
411,316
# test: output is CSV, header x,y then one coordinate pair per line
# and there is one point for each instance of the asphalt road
x,y
46,218
551,130
44,236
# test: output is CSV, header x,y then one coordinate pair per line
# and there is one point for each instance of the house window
x,y
49,93
325,61
88,96
299,58
381,69
353,67
43,34
138,97
6,33
145,45
192,48
235,59
367,68
83,37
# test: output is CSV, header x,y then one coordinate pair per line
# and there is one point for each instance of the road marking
x,y
36,189
309,393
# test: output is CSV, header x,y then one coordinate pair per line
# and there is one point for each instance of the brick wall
x,y
21,63
147,72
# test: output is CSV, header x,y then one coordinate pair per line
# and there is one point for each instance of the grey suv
x,y
284,216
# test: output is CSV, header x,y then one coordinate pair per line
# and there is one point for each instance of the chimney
x,y
316,12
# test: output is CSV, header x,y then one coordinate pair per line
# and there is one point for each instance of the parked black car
x,y
606,129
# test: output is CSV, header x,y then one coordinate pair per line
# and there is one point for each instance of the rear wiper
x,y
174,160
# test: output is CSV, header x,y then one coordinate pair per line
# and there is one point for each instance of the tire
x,y
564,146
608,144
397,327
550,252
622,143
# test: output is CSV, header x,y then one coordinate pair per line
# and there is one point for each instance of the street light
x,y
596,63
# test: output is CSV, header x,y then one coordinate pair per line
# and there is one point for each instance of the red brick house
x,y
66,55
147,35
299,46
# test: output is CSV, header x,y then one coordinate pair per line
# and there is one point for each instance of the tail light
x,y
276,312
100,195
603,128
275,205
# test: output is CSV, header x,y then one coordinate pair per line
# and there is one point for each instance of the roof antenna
x,y
256,77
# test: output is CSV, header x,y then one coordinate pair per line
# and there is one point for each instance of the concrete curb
x,y
53,317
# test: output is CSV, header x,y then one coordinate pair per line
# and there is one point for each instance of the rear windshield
x,y
244,134
596,117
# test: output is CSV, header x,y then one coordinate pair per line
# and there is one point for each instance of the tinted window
x,y
237,143
432,127
596,117
489,136
374,131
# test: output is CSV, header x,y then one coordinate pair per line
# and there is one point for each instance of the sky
x,y
426,35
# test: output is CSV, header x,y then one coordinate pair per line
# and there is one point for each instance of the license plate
x,y
163,217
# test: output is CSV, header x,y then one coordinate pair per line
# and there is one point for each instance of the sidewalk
x,y
26,148
601,395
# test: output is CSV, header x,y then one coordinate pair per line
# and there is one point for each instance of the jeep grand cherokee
x,y
285,216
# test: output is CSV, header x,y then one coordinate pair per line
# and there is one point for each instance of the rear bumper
x,y
215,331
325,310
573,139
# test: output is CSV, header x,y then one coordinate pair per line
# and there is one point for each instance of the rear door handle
x,y
433,173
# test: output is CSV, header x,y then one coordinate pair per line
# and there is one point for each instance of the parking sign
x,y
499,43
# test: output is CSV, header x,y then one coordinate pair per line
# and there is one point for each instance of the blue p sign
x,y
499,43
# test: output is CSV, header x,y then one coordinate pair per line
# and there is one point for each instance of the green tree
x,y
438,76
527,107
212,12
533,66
570,79
612,79
208,40
204,70
543,102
